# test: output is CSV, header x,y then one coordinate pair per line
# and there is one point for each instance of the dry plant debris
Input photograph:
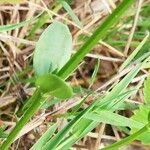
x,y
17,75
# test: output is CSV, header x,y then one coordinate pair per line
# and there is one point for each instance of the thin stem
x,y
99,34
128,139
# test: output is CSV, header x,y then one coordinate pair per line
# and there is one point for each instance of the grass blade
x,y
134,53
96,69
52,144
46,136
85,125
70,12
9,27
70,66
128,139
99,34
147,91
109,117
109,100
24,119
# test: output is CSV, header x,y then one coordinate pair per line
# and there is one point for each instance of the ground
x,y
16,65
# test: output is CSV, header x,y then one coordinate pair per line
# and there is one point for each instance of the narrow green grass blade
x,y
99,34
147,91
108,101
24,119
134,53
96,69
52,144
30,101
46,136
85,125
127,140
42,20
109,117
71,13
77,107
9,27
117,105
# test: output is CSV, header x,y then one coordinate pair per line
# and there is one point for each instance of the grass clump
x,y
53,64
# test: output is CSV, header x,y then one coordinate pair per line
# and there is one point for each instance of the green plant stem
x,y
24,119
72,65
99,34
128,139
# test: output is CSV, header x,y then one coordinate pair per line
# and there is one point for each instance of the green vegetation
x,y
53,64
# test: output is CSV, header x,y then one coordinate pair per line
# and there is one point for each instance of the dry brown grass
x,y
16,66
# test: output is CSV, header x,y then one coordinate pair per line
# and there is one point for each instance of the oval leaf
x,y
53,49
52,84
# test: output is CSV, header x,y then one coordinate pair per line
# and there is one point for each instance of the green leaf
x,y
44,138
141,115
53,49
9,27
147,91
52,84
109,117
